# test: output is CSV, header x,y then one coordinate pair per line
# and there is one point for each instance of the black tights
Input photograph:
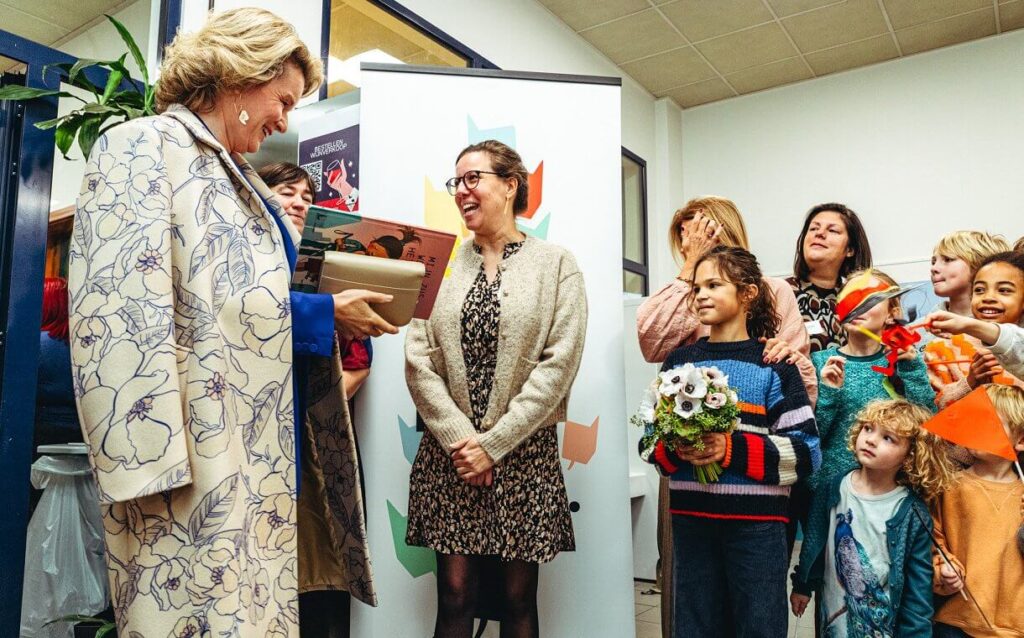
x,y
458,586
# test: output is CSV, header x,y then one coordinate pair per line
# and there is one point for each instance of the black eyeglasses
x,y
471,179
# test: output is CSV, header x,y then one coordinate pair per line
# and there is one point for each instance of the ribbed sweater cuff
x,y
450,433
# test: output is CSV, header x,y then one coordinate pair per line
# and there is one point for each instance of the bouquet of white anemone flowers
x,y
682,405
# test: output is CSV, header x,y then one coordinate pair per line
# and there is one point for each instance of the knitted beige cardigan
x,y
541,332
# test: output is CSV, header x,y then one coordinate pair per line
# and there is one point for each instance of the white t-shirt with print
x,y
855,595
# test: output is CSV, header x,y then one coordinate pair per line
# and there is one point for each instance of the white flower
x,y
672,380
721,382
715,400
648,404
694,386
733,397
687,406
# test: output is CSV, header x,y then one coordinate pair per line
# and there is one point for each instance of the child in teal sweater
x,y
847,383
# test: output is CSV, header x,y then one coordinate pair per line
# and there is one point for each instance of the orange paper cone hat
x,y
973,423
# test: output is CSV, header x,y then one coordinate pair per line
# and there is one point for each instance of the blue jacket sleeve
x,y
312,323
915,615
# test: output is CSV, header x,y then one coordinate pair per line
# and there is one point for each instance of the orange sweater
x,y
976,523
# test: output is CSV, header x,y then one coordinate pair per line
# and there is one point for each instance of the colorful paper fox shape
x,y
973,423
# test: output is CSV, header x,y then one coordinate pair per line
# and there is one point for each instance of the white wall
x,y
918,147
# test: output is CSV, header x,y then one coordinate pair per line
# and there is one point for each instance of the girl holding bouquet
x,y
730,489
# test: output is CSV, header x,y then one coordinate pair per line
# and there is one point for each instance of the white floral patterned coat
x,y
181,337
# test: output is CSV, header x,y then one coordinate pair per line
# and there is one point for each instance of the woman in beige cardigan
x,y
490,374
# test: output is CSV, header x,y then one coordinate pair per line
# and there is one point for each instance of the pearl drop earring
x,y
243,117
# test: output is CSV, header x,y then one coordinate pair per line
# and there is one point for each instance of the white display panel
x,y
413,126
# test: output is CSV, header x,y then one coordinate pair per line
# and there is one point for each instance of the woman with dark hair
x,y
490,374
293,189
831,245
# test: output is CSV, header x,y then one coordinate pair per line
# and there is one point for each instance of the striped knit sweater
x,y
775,444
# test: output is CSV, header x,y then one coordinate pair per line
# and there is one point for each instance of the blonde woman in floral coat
x,y
192,360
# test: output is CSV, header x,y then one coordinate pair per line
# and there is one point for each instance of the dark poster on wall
x,y
332,160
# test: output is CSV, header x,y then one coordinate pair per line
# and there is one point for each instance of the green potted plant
x,y
110,104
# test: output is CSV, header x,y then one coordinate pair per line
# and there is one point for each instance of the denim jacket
x,y
908,535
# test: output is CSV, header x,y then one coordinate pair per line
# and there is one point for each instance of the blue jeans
x,y
729,578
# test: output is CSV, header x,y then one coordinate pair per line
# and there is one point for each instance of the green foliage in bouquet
x,y
109,107
661,418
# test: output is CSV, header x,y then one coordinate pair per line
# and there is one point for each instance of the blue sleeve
x,y
312,323
916,610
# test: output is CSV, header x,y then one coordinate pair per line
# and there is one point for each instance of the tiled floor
x,y
648,613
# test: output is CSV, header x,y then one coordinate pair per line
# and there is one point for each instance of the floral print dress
x,y
524,515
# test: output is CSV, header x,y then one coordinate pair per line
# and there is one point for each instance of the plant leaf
x,y
79,80
66,131
132,47
50,123
105,629
76,618
113,81
28,93
87,134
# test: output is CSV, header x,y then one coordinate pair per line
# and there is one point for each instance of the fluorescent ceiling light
x,y
348,70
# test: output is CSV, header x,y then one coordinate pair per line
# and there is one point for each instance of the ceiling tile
x,y
69,15
1011,15
667,70
583,14
29,26
639,35
907,13
838,24
769,75
704,19
700,93
933,35
785,8
752,47
855,54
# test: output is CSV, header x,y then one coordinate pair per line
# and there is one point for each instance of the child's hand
x,y
946,324
775,350
833,374
907,354
714,450
798,603
984,368
950,582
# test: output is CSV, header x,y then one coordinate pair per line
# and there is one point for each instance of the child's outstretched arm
x,y
791,450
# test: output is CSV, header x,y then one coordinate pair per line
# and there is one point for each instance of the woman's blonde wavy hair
x,y
724,213
235,50
927,469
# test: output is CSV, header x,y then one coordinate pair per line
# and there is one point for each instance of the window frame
x,y
628,265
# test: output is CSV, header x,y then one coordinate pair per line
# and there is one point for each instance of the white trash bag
x,y
65,570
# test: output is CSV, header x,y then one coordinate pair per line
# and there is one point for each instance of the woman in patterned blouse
x,y
831,245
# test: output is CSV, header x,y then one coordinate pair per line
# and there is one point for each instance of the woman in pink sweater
x,y
666,321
